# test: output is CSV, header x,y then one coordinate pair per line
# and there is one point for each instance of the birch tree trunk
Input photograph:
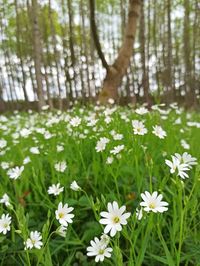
x,y
118,69
145,78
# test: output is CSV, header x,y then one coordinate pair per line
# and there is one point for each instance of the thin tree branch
x,y
95,34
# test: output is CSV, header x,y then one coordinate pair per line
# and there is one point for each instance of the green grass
x,y
169,238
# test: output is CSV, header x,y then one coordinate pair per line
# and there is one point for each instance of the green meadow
x,y
111,160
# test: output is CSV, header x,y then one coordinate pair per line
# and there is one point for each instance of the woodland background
x,y
48,54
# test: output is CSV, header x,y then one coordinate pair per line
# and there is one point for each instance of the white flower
x,y
4,165
153,202
74,186
75,121
139,214
109,160
99,250
34,241
111,101
34,150
109,111
60,166
55,189
124,117
5,200
3,143
114,218
25,132
59,148
141,111
159,132
185,145
5,222
45,107
48,135
118,136
174,105
26,160
117,149
40,130
105,239
176,166
186,158
63,214
101,144
15,172
138,127
177,121
62,230
2,153
108,119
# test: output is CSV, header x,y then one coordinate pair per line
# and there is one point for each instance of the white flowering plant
x,y
100,184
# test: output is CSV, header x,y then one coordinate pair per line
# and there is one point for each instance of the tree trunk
x,y
56,55
190,93
145,78
19,51
37,50
171,89
116,71
72,47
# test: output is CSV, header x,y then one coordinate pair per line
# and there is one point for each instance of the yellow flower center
x,y
61,215
152,205
101,251
33,241
5,225
116,220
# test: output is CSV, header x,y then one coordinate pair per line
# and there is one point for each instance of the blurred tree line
x,y
58,51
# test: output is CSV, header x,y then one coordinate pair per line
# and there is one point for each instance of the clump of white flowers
x,y
101,144
117,149
142,110
180,164
34,150
99,248
15,172
185,145
60,166
75,121
3,143
159,132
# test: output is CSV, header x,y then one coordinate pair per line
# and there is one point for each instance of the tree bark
x,y
171,89
116,71
145,77
37,49
19,50
190,93
56,55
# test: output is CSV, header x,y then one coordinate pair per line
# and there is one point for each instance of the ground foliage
x,y
169,238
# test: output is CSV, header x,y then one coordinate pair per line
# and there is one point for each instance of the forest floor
x,y
111,184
